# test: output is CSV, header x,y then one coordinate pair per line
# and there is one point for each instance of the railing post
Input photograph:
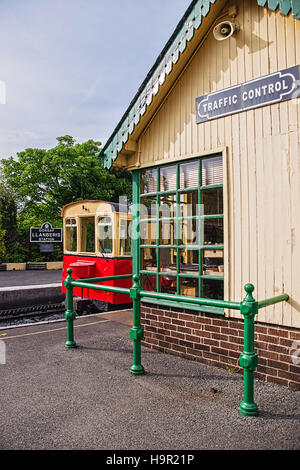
x,y
136,332
69,313
248,359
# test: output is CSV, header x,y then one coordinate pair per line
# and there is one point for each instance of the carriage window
x,y
125,237
87,234
71,235
105,241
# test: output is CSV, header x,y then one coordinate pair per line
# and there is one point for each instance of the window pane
x,y
125,236
87,234
212,201
167,231
168,284
168,259
148,207
149,181
213,262
188,232
188,287
212,289
70,222
213,231
105,235
189,175
148,282
148,232
212,171
189,261
71,238
148,259
167,205
168,178
189,204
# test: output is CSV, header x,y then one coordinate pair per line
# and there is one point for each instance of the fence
x,y
248,308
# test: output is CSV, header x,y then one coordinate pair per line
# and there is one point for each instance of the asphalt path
x,y
53,398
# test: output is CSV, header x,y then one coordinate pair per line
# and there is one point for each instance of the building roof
x,y
184,32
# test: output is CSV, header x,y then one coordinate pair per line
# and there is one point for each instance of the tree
x,y
45,180
2,242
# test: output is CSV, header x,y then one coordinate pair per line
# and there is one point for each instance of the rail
x,y
248,308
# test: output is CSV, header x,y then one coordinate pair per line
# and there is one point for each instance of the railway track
x,y
34,313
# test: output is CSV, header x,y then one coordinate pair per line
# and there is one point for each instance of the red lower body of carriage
x,y
91,267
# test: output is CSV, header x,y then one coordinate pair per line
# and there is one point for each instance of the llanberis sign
x,y
273,88
45,233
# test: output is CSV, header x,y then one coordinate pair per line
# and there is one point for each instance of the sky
x,y
73,66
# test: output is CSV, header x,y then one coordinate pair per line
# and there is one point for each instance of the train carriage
x,y
97,244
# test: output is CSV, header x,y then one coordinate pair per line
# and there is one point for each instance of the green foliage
x,y
38,183
8,212
2,241
46,180
16,253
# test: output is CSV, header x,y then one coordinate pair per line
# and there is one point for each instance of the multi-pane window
x,y
105,235
181,224
125,236
71,235
87,240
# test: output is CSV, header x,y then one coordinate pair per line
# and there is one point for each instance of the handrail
x,y
195,300
248,307
273,300
118,290
106,278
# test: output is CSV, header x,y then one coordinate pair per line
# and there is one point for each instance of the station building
x,y
212,140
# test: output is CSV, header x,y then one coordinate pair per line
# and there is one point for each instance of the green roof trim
x,y
184,32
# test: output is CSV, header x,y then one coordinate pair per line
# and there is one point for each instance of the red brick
x,y
277,348
222,351
288,375
194,325
295,335
194,352
202,347
219,322
212,328
236,339
184,316
203,320
178,348
276,380
295,369
170,314
150,316
193,338
268,339
294,385
205,334
286,342
277,364
183,329
209,355
278,332
178,322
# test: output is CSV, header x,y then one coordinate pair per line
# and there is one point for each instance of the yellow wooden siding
x,y
262,155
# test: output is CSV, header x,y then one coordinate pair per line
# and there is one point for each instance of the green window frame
x,y
199,180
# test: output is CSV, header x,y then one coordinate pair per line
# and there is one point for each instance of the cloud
x,y
73,66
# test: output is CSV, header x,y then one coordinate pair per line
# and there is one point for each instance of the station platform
x,y
53,398
26,278
27,288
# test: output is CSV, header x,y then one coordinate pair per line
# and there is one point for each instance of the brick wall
x,y
218,341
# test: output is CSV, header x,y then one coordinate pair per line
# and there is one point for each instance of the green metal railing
x,y
248,308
